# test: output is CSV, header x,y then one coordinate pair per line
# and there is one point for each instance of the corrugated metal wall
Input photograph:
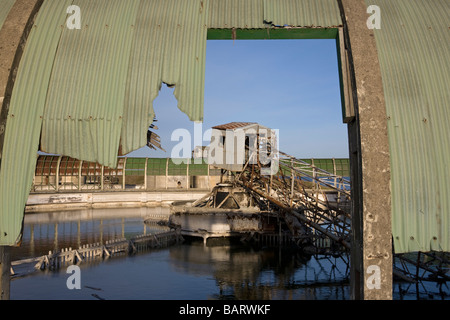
x,y
5,6
107,74
169,46
25,119
304,13
247,14
86,93
64,78
251,14
91,87
414,51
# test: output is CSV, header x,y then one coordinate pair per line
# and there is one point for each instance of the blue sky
x,y
290,85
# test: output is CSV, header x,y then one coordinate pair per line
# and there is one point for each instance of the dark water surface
x,y
220,270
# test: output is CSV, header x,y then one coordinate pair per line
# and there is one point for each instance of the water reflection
x,y
220,270
71,229
245,272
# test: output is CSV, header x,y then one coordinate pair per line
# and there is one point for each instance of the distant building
x,y
200,152
233,144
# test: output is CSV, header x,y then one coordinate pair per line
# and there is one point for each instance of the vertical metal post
x,y
334,172
145,174
58,164
292,181
123,227
55,240
187,173
5,272
209,178
167,171
123,174
102,179
79,175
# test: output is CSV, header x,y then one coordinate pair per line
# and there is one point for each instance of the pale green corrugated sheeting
x,y
414,51
302,13
114,66
169,46
86,94
24,119
254,13
5,7
226,14
82,111
87,85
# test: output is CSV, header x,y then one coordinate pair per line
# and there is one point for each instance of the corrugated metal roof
x,y
24,118
226,14
302,13
63,78
251,14
78,85
414,52
5,7
86,94
233,125
169,46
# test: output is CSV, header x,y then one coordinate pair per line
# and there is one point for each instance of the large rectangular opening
x,y
287,79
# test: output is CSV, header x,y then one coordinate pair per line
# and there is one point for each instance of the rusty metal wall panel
x,y
239,14
169,46
234,125
302,13
5,6
25,118
414,51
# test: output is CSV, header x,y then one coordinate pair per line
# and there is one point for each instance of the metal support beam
x,y
5,272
